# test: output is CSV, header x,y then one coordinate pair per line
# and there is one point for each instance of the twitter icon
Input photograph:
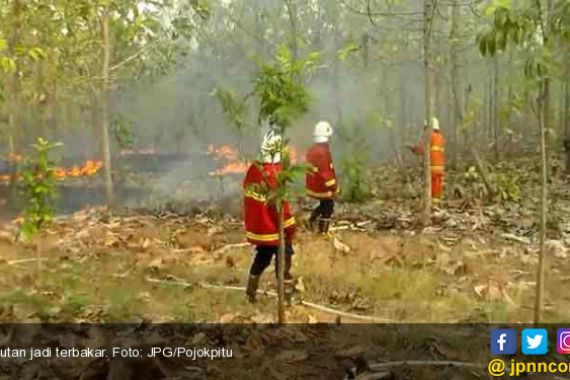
x,y
534,341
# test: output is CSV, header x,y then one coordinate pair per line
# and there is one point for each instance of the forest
x,y
127,129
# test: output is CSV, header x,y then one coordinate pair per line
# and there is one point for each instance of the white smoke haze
x,y
177,115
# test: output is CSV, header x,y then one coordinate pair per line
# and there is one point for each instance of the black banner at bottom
x,y
246,351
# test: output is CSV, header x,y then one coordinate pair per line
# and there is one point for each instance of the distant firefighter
x,y
261,217
321,181
437,160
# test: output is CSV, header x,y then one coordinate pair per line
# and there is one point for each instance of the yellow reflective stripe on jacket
x,y
319,195
331,182
437,168
289,222
261,237
256,196
437,149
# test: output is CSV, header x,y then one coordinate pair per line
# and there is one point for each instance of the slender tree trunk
x,y
548,119
336,78
466,138
567,107
403,118
104,104
436,91
291,10
281,267
428,21
496,101
543,119
13,93
543,204
456,105
490,109
560,109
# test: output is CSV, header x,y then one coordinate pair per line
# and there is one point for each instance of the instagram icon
x,y
563,341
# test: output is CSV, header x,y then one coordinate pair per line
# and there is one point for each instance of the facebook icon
x,y
503,341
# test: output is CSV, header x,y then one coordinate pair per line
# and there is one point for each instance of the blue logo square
x,y
534,341
503,341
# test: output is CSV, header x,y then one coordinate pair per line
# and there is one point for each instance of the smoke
x,y
177,114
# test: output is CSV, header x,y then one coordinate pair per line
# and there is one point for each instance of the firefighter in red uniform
x,y
321,181
262,219
437,160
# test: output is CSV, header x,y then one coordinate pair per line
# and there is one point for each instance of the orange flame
x,y
226,152
223,151
235,166
89,168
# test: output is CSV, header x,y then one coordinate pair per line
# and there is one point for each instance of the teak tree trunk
x,y
496,95
456,101
104,104
543,121
13,93
543,205
428,19
281,268
291,12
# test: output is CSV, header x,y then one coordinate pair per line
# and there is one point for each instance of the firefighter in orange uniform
x,y
262,219
321,181
437,160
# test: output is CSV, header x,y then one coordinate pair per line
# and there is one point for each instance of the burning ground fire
x,y
89,168
234,165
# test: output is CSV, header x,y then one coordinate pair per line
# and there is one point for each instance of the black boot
x,y
324,225
252,285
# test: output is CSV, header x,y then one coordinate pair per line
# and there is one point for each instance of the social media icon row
x,y
533,341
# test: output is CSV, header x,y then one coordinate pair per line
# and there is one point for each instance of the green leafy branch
x,y
39,189
277,86
283,97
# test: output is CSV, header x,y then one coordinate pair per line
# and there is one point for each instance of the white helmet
x,y
270,147
323,132
434,124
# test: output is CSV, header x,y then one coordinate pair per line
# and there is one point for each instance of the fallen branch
x,y
273,294
226,248
516,238
23,261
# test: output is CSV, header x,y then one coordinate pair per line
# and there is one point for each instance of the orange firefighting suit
x,y
437,163
321,182
261,218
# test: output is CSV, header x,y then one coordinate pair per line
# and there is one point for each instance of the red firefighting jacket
x,y
437,152
261,219
321,181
